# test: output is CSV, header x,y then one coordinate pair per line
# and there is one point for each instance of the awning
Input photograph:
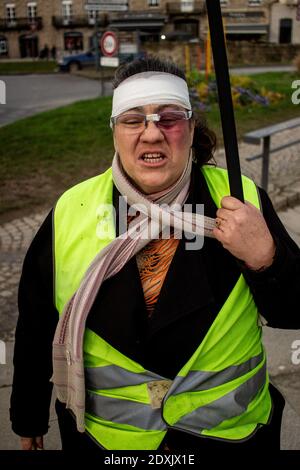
x,y
249,28
143,22
137,25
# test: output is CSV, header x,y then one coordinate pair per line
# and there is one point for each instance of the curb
x,y
286,202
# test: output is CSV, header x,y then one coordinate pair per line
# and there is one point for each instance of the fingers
x,y
219,224
231,203
27,443
39,442
32,443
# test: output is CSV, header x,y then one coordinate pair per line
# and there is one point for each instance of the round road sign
x,y
109,43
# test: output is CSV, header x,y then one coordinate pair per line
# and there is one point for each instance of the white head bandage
x,y
150,88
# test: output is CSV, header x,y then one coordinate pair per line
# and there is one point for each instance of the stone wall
x,y
238,53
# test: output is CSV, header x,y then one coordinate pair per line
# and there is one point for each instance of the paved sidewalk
x,y
16,235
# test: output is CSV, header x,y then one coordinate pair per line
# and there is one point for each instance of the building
x,y
26,27
248,20
285,22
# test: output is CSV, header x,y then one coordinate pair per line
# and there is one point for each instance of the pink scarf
x,y
68,365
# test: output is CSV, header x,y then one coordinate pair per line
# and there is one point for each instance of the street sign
x,y
106,7
128,48
109,61
101,2
109,43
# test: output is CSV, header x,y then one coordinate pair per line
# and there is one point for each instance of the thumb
x,y
27,443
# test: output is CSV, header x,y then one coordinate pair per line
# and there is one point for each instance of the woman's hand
x,y
242,230
32,443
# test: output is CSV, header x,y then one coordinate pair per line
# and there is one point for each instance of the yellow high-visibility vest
x,y
221,392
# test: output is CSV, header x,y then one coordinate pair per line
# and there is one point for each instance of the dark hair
x,y
204,142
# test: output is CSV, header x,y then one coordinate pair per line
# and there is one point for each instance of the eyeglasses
x,y
137,122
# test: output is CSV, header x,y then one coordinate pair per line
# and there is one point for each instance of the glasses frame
x,y
152,117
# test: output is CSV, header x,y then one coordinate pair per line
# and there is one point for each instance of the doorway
x,y
29,45
285,31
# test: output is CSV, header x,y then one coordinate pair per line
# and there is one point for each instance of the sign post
x,y
96,45
109,48
109,44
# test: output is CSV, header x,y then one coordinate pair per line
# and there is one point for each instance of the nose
x,y
151,133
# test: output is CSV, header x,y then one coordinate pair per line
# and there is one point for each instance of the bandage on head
x,y
150,88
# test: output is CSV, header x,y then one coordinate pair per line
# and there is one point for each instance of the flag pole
x,y
225,99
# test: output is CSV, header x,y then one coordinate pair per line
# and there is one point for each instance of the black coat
x,y
195,288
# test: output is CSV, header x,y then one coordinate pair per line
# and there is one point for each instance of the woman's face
x,y
154,158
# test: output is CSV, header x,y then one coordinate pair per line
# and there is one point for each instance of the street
x,y
27,95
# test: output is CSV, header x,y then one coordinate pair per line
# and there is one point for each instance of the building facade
x,y
29,28
285,22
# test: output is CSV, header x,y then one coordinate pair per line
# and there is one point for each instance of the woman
x,y
172,344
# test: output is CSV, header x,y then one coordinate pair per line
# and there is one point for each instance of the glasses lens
x,y
170,119
131,121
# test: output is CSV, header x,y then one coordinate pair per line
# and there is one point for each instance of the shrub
x,y
244,90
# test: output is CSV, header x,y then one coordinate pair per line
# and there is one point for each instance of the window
x,y
254,2
73,41
92,16
11,11
67,10
187,5
153,3
186,29
3,46
31,11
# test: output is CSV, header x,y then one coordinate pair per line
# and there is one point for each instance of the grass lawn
x,y
39,66
43,155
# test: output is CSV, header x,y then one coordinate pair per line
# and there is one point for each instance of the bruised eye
x,y
171,118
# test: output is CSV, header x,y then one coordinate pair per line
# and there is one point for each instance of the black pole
x,y
225,99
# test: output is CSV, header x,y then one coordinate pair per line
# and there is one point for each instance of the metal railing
x,y
265,133
16,24
76,21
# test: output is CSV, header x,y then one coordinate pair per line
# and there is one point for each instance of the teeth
x,y
152,157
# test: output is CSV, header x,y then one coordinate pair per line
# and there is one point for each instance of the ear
x,y
192,130
115,142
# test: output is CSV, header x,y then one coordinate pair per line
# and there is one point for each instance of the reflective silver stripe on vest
x,y
203,380
128,412
101,378
232,404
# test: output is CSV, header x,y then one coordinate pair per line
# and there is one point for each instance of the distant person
x,y
53,52
159,341
46,52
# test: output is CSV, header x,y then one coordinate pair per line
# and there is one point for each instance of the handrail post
x,y
265,162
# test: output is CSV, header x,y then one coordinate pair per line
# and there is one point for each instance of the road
x,y
27,95
253,70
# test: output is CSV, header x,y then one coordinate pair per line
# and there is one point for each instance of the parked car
x,y
73,62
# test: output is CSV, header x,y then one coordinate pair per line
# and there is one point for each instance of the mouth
x,y
153,157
